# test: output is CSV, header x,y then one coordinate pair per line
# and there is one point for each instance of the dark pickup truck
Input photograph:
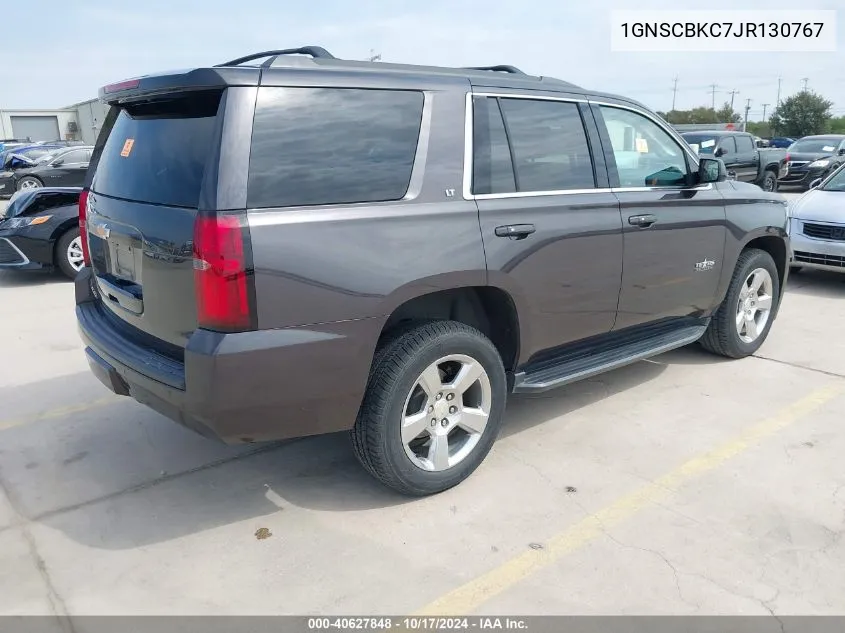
x,y
743,160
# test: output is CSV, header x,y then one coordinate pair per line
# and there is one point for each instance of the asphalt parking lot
x,y
687,484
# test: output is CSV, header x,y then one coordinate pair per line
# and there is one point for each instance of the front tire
x,y
770,181
433,407
29,182
68,256
742,322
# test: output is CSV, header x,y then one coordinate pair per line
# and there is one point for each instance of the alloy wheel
x,y
74,254
446,412
754,307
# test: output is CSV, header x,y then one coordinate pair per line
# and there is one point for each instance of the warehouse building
x,y
77,122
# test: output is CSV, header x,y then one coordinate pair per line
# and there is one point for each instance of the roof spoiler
x,y
148,86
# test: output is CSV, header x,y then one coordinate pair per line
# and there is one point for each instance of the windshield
x,y
836,182
706,142
815,145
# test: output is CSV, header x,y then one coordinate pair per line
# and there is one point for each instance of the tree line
x,y
800,115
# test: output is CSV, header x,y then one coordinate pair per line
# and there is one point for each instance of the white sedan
x,y
817,225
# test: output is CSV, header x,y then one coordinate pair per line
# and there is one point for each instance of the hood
x,y
21,201
821,206
753,191
810,156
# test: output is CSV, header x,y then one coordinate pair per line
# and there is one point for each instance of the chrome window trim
x,y
704,187
415,182
505,95
468,150
654,119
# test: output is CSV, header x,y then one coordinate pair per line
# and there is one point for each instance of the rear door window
x,y
548,144
744,145
315,146
157,151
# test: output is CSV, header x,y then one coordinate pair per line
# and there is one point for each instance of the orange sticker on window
x,y
127,147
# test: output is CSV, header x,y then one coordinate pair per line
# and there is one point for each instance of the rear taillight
x,y
222,273
83,222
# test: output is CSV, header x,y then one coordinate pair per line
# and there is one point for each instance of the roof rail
x,y
502,68
317,52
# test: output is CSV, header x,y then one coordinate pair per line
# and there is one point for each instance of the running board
x,y
580,364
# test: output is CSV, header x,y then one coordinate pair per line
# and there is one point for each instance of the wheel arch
x,y
489,309
776,247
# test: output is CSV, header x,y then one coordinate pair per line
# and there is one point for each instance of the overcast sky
x,y
65,51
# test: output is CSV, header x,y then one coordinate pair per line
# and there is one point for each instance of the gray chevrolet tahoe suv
x,y
290,244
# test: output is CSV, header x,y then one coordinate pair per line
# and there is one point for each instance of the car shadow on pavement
x,y
119,476
816,283
18,278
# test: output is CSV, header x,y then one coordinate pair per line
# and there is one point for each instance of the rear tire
x,y
739,328
444,371
770,181
68,256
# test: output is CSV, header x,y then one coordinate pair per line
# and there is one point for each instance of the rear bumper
x,y
245,387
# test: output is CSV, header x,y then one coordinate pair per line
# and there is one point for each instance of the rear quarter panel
x,y
356,261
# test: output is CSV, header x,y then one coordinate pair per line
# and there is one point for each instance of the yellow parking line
x,y
57,413
467,598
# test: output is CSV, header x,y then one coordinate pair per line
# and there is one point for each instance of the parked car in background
x,y
813,157
236,221
817,225
10,143
743,159
23,157
64,167
60,143
40,230
781,142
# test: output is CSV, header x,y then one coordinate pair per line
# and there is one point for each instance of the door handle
x,y
642,221
515,231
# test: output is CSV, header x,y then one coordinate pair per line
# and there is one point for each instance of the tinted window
x,y
549,145
728,146
76,156
492,169
645,154
332,146
744,145
156,152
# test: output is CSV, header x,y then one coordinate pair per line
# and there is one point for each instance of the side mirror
x,y
842,151
720,152
58,162
711,170
816,183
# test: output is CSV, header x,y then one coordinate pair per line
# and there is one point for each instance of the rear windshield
x,y
156,152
